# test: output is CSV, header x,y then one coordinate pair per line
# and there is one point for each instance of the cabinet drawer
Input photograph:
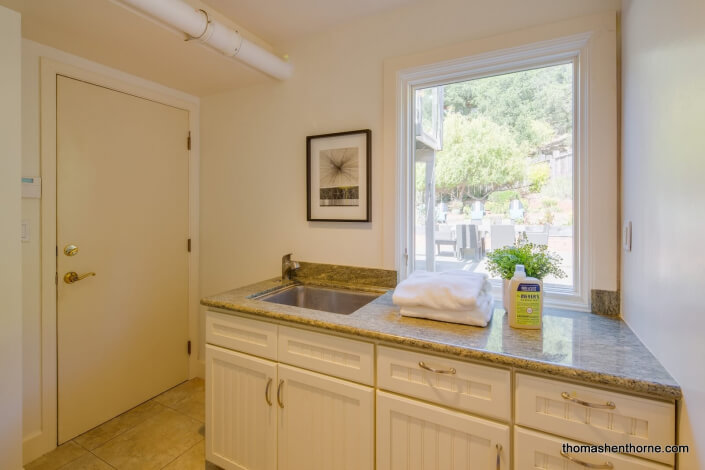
x,y
242,334
541,451
603,417
470,387
331,355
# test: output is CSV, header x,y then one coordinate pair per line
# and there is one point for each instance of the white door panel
x,y
122,199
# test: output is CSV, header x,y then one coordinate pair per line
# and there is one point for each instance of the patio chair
x,y
445,236
502,235
537,237
469,246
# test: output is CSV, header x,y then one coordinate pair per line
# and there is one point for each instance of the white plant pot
x,y
505,294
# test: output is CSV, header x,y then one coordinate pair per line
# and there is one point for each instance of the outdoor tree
x,y
480,157
494,126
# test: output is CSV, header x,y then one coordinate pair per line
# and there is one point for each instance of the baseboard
x,y
197,368
36,445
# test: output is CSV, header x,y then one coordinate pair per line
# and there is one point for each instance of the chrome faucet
x,y
288,266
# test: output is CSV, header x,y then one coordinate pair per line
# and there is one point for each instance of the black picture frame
x,y
344,203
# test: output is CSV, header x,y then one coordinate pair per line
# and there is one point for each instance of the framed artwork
x,y
338,177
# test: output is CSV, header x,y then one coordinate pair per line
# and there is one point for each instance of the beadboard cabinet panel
x,y
471,387
324,423
242,334
412,435
241,432
594,416
535,450
332,355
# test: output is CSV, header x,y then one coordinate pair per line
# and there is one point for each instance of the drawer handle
x,y
499,453
267,390
605,406
436,371
586,464
280,400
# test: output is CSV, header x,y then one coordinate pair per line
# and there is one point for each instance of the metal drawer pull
x,y
437,371
267,389
605,406
280,400
499,452
585,464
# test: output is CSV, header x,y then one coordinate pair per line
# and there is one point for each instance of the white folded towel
x,y
447,290
478,316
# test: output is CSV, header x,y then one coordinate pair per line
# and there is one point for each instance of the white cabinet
x,y
469,387
240,413
242,334
264,415
324,422
595,416
412,435
283,398
540,451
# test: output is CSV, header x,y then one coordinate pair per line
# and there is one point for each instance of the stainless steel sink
x,y
326,299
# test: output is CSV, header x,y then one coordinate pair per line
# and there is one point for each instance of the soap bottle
x,y
525,300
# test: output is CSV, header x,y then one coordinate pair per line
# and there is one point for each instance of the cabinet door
x,y
324,423
412,435
241,410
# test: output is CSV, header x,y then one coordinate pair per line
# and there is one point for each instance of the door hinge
x,y
188,347
57,250
188,141
188,245
56,278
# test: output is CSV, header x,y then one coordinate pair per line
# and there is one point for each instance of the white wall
x,y
663,83
11,265
253,181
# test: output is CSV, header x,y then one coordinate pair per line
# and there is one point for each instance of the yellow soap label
x,y
528,304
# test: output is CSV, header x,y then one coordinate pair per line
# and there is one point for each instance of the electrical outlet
x,y
627,236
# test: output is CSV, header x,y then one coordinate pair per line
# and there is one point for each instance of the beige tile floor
x,y
166,432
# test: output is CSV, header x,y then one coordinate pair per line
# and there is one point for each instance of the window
x,y
492,152
493,166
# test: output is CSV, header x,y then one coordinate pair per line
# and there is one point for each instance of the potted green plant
x,y
537,260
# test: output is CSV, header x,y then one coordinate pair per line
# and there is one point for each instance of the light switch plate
x,y
627,236
24,234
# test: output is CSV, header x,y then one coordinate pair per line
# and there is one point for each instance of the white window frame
x,y
575,49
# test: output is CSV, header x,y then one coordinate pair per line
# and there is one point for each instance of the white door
x,y
240,410
324,423
122,200
412,435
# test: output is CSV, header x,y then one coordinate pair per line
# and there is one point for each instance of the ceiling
x,y
283,21
104,32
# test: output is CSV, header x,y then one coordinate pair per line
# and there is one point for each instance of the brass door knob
x,y
72,276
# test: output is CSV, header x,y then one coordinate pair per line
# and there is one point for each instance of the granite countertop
x,y
591,348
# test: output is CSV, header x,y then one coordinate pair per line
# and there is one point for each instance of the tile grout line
x,y
105,462
181,454
118,435
165,406
80,456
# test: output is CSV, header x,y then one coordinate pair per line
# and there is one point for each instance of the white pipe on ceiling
x,y
181,16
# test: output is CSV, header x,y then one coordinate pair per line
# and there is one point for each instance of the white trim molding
x,y
594,110
53,63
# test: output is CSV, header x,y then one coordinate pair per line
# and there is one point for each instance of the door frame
x,y
49,69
